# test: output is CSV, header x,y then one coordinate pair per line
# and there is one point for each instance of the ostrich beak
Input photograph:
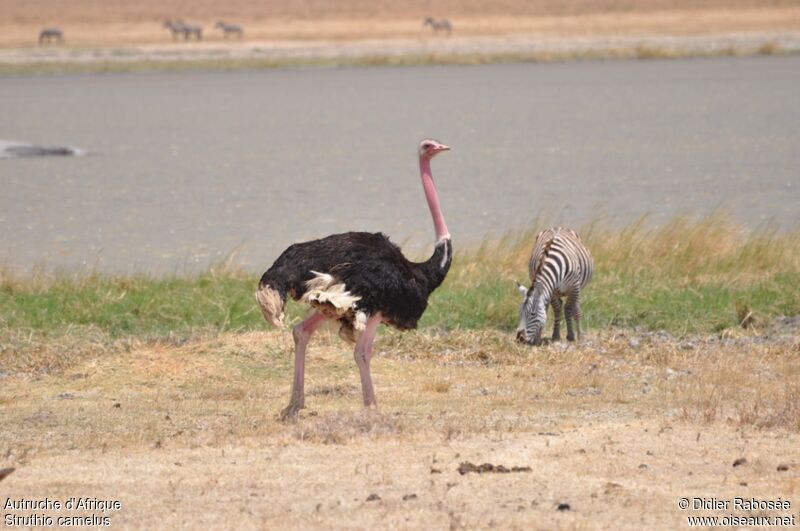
x,y
441,147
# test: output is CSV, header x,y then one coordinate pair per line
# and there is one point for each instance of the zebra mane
x,y
542,258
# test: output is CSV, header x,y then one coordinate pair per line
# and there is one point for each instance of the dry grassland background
x,y
118,22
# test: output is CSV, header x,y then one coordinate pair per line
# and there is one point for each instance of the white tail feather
x,y
271,304
325,289
360,322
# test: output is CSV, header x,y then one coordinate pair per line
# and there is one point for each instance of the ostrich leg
x,y
302,334
363,356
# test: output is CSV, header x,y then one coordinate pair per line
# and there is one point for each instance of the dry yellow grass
x,y
47,11
115,22
619,427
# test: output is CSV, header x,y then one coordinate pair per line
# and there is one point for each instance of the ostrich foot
x,y
291,411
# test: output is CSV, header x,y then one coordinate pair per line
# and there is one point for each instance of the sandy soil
x,y
182,432
612,474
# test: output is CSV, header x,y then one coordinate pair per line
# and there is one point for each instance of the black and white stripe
x,y
560,266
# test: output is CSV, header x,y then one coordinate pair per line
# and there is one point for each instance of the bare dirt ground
x,y
615,430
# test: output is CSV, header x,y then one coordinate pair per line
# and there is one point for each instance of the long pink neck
x,y
433,199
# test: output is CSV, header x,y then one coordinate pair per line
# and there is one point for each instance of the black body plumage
x,y
371,267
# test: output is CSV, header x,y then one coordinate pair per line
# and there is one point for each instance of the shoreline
x,y
389,52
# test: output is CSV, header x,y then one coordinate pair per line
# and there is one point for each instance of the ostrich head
x,y
428,148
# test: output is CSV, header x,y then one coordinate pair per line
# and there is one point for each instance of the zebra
x,y
179,28
175,27
230,29
48,35
560,265
437,25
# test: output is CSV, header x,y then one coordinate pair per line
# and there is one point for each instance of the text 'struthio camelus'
x,y
359,279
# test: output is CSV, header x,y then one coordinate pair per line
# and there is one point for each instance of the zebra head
x,y
532,316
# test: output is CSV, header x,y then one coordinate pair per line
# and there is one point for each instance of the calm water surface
x,y
185,168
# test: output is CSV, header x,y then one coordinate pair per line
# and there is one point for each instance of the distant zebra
x,y
230,29
192,29
48,35
437,25
175,27
560,265
178,28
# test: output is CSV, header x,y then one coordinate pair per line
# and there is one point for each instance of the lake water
x,y
184,168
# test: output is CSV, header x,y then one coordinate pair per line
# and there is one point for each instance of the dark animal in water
x,y
359,279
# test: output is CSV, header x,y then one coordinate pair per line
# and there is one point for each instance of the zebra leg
x,y
557,306
573,309
363,355
302,334
577,314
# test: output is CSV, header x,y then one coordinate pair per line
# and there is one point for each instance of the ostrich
x,y
359,279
